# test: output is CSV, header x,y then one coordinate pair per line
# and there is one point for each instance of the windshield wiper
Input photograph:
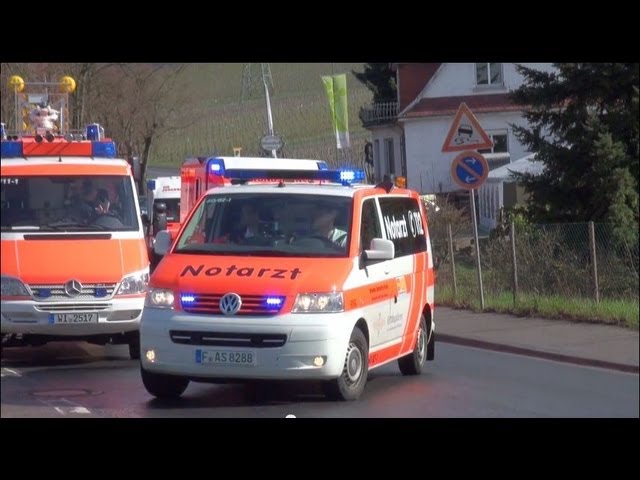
x,y
65,225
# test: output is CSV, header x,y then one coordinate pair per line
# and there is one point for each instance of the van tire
x,y
413,363
350,384
163,386
134,346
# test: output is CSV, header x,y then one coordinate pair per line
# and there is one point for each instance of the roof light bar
x,y
343,176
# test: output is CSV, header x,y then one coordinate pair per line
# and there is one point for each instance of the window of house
x,y
489,74
499,139
391,162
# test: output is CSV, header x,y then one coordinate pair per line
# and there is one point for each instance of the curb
x,y
468,342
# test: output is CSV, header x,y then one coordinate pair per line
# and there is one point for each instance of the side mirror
x,y
160,207
162,243
160,217
381,249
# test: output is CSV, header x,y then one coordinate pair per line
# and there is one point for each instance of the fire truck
x,y
199,174
163,200
74,260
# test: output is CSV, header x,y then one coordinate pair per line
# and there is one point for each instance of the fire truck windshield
x,y
77,203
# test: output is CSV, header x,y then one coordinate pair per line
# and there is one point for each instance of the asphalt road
x,y
82,380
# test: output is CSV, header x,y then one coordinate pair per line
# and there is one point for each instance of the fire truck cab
x,y
74,260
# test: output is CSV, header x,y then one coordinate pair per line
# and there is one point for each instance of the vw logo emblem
x,y
230,303
73,288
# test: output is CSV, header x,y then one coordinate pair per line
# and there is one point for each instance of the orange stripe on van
x,y
370,294
384,355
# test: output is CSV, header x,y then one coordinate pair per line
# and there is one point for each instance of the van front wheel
x,y
350,384
163,386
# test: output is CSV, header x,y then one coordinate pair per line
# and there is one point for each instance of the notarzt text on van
x,y
241,272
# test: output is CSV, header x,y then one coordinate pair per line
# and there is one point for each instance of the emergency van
x,y
291,274
163,211
74,260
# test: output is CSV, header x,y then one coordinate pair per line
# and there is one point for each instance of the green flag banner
x,y
336,87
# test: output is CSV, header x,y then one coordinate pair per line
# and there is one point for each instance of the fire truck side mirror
x,y
159,217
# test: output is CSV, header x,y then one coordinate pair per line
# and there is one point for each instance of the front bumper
x,y
282,347
117,315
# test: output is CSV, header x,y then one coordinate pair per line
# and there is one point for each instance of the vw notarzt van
x,y
289,274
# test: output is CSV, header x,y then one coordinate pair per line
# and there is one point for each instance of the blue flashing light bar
x,y
216,166
323,166
343,176
15,149
103,149
95,132
10,149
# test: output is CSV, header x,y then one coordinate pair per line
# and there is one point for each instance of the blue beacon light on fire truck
x,y
96,145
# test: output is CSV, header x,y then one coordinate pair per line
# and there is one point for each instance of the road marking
x,y
8,372
66,410
66,407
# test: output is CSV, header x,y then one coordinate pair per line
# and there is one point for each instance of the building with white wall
x,y
407,135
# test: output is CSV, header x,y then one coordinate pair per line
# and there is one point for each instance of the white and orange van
x,y
74,260
273,278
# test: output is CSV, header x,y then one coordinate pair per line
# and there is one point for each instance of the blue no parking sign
x,y
469,169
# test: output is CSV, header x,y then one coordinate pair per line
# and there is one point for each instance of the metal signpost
x,y
469,169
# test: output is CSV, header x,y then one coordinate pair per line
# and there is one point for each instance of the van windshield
x,y
78,203
267,224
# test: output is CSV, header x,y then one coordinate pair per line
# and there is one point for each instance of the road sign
x,y
271,142
466,133
469,169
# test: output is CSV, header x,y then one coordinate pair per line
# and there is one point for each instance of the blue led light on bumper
x,y
273,302
187,298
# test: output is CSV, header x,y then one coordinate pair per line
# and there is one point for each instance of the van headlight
x,y
159,298
13,287
135,283
318,303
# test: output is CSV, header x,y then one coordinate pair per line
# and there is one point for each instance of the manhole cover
x,y
65,392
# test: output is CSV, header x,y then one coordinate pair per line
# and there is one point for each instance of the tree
x,y
584,128
139,103
381,80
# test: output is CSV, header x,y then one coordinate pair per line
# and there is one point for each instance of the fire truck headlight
x,y
13,287
135,283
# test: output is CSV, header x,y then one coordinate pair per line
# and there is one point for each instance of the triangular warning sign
x,y
466,133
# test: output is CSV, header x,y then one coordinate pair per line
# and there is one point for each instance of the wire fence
x,y
577,260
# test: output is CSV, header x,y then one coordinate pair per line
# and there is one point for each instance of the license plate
x,y
55,318
236,358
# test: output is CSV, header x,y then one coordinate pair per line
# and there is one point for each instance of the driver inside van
x,y
323,224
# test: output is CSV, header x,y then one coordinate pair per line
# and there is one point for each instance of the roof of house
x,y
526,164
496,102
